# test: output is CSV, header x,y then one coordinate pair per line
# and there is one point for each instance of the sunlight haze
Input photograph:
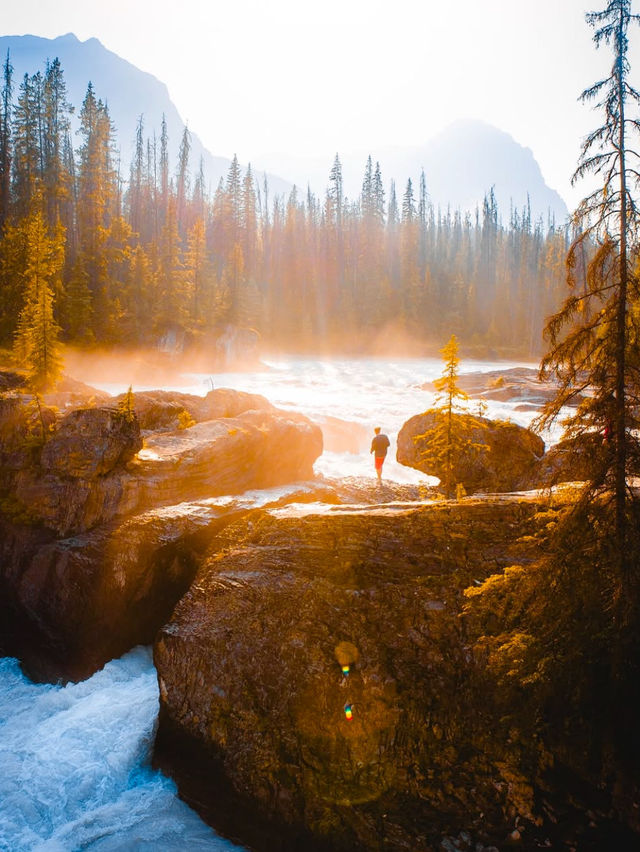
x,y
258,79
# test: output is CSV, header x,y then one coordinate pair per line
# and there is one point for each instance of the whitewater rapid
x,y
367,392
75,767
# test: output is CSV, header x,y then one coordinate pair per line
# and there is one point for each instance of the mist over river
x,y
75,761
365,391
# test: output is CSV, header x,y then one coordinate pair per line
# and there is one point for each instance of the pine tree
x,y
164,171
5,141
97,204
199,273
27,149
182,183
594,337
452,424
56,118
336,192
36,344
126,406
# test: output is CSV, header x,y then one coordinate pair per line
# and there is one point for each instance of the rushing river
x,y
74,760
74,766
365,391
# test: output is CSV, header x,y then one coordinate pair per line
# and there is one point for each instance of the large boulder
x,y
256,449
498,456
17,425
317,670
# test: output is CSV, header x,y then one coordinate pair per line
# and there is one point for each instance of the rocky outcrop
x,y
70,605
498,456
256,449
317,667
160,410
91,565
77,477
91,442
513,384
87,472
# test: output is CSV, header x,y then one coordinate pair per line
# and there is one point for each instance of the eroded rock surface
x,y
95,552
87,473
71,605
253,689
499,456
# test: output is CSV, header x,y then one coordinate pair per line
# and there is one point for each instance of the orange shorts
x,y
379,462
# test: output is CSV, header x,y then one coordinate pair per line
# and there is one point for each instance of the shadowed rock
x,y
91,565
91,442
253,690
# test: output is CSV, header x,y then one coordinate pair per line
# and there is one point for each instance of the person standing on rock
x,y
379,446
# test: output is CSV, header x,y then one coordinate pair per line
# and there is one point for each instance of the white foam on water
x,y
75,771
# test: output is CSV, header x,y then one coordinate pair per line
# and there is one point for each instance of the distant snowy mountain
x,y
461,165
127,90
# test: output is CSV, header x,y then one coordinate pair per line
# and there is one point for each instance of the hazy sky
x,y
254,77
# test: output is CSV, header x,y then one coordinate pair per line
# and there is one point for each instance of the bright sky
x,y
254,77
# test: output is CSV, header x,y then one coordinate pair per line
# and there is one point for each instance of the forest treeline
x,y
128,258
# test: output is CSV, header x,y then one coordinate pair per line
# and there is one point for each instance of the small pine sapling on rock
x,y
450,435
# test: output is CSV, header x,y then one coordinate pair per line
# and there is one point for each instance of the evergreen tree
x,y
36,344
408,204
96,204
5,141
449,436
182,183
336,192
27,159
594,337
56,117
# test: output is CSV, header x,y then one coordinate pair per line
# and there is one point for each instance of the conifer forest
x,y
127,257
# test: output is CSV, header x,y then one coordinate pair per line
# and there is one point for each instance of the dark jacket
x,y
380,445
